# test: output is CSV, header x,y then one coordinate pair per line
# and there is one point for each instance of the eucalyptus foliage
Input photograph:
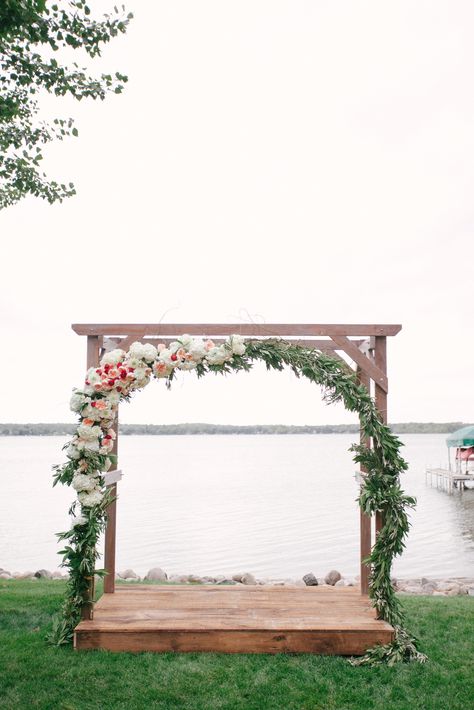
x,y
31,33
380,492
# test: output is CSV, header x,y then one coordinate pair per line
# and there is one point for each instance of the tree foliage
x,y
31,33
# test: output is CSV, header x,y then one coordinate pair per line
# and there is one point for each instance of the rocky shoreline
x,y
446,586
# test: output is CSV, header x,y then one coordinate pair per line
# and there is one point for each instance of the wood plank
x,y
344,643
92,360
365,520
111,528
326,345
256,329
381,400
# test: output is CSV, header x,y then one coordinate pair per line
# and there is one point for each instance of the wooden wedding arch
x,y
316,619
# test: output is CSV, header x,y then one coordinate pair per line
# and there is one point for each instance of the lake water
x,y
277,506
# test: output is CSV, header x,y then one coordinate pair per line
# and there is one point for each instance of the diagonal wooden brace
x,y
365,363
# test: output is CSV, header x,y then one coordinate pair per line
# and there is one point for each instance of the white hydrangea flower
x,y
77,401
91,413
186,341
217,355
93,376
89,499
150,353
197,349
237,344
113,357
113,397
78,520
87,432
82,482
72,451
136,350
92,446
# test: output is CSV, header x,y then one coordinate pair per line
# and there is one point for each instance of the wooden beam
x,y
365,520
364,362
111,529
93,351
380,357
124,343
254,329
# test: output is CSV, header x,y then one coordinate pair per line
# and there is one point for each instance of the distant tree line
x,y
48,429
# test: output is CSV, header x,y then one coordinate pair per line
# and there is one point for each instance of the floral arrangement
x,y
118,375
90,455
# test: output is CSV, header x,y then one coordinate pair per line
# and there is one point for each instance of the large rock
x,y
310,580
248,579
128,574
448,587
195,579
332,577
178,578
43,574
156,574
411,589
5,575
237,577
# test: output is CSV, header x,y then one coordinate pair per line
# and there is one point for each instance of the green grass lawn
x,y
35,675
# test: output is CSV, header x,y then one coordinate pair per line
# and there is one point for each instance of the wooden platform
x,y
234,619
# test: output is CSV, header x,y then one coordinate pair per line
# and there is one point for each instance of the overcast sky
x,y
298,161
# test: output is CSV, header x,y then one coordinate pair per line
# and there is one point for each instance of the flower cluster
x,y
118,374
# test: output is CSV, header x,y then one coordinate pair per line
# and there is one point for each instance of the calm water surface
x,y
277,506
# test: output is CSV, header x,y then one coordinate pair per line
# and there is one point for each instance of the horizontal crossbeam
x,y
248,329
111,343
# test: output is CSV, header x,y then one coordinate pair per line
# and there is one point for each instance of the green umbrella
x,y
461,437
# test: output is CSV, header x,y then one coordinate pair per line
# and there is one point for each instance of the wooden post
x,y
111,529
380,354
365,520
93,350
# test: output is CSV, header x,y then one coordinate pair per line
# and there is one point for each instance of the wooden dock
x,y
234,619
447,480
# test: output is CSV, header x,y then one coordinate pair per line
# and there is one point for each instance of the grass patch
x,y
35,675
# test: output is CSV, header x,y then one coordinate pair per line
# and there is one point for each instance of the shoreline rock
x,y
418,586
